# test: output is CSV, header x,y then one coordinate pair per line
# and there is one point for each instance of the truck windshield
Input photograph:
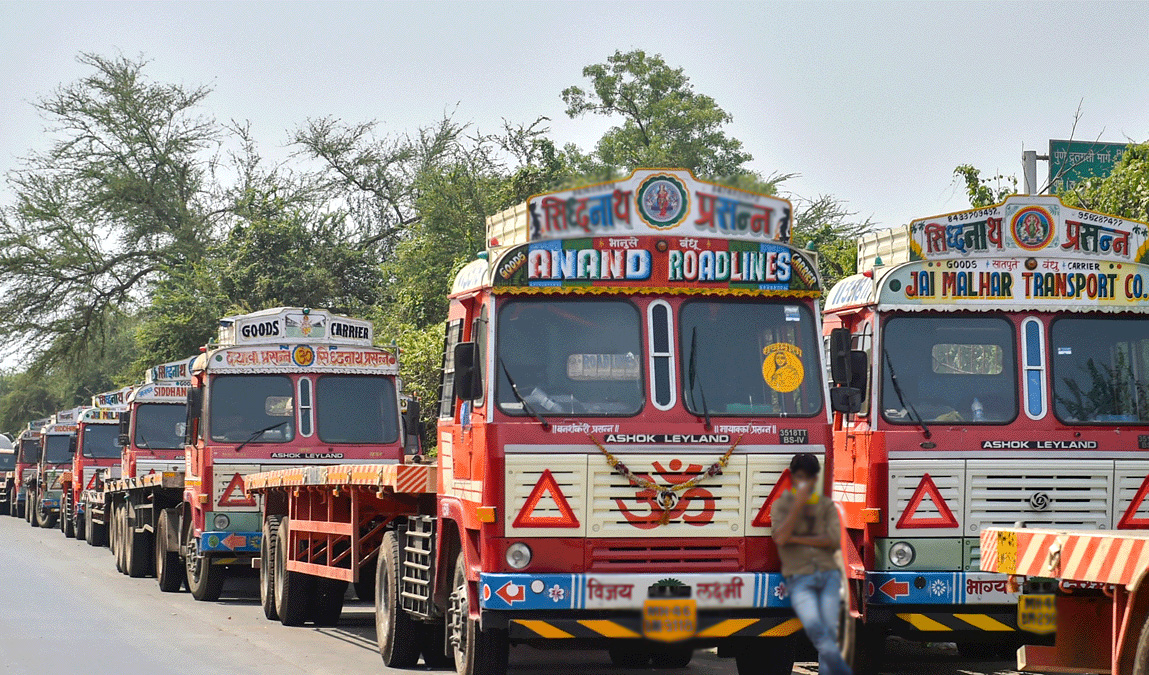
x,y
951,369
570,357
7,461
30,450
160,426
749,359
1100,370
356,409
101,441
56,449
242,406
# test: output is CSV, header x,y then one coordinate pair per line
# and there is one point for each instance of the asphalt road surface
x,y
65,609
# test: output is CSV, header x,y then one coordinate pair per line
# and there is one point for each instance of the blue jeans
x,y
816,601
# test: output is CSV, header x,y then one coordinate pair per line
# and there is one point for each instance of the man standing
x,y
807,534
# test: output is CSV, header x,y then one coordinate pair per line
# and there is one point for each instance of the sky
x,y
873,103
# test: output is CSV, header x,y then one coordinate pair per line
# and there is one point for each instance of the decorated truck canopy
x,y
656,231
63,422
116,400
1028,253
171,371
290,339
101,415
34,428
161,391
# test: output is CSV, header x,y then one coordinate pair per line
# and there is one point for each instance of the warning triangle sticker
x,y
546,485
91,482
763,517
1130,521
910,518
233,494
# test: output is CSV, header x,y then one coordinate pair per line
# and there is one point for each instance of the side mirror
x,y
125,424
468,384
859,370
72,442
846,399
839,356
194,412
123,439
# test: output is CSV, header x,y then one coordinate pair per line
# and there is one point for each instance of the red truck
x,y
627,371
95,459
27,456
7,473
53,469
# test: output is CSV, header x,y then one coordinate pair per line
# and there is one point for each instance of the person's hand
x,y
804,490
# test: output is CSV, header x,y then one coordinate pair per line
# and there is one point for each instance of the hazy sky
x,y
873,103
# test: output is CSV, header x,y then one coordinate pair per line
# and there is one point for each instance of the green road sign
x,y
1070,162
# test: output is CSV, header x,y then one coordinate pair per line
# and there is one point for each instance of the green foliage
x,y
1125,192
664,121
985,191
825,225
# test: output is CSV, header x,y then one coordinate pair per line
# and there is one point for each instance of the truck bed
x,y
1116,557
401,478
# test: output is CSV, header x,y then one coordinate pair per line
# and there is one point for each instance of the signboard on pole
x,y
1071,162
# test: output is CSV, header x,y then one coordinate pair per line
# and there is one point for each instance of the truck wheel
x,y
477,652
97,532
68,520
170,570
862,646
327,601
29,500
44,519
267,566
675,656
365,587
292,589
1141,656
79,526
137,547
205,580
398,634
630,654
768,656
121,528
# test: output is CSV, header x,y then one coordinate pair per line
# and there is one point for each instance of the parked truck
x,y
282,387
151,439
27,456
7,472
628,369
96,458
46,488
1009,349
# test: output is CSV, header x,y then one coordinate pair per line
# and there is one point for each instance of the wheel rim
x,y
458,614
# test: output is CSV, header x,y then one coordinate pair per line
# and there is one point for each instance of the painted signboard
x,y
652,201
112,399
651,263
173,370
303,358
292,324
1030,226
1071,162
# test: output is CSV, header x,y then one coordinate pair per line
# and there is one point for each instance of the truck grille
x,y
698,556
1077,494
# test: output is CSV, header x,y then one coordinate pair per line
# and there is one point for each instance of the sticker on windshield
x,y
792,313
1065,351
782,368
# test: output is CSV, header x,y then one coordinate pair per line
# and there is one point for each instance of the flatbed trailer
x,y
1085,587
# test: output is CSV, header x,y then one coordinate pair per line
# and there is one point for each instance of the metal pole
x,y
1029,170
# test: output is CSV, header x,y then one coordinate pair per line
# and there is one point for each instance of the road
x,y
64,608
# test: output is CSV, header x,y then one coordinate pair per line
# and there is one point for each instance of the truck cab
x,y
53,470
27,456
96,458
282,387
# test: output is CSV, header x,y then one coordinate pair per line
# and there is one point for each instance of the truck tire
x,y
121,527
267,567
137,547
205,580
44,519
477,652
68,519
171,574
768,656
327,601
293,590
1141,656
80,527
434,645
671,656
398,634
365,587
96,534
629,654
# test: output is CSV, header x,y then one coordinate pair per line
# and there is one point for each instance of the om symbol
x,y
678,503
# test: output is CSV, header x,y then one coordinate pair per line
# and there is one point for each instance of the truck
x,y
151,462
282,387
7,471
27,455
95,459
1085,587
1006,349
627,370
46,487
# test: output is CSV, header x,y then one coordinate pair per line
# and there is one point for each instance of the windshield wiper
x,y
693,376
901,397
515,390
260,433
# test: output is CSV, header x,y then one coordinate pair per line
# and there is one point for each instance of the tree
x,y
985,191
664,121
117,198
826,226
1124,192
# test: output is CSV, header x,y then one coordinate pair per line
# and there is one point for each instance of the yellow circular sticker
x,y
782,368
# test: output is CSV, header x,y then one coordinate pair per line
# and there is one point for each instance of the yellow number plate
x,y
669,620
1037,614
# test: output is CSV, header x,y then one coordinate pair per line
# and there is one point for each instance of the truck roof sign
x,y
161,391
302,358
649,201
112,399
1025,226
281,325
172,370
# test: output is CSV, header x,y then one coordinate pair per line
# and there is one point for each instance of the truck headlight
x,y
221,521
901,554
518,555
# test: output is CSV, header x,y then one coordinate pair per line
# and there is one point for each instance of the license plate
x,y
669,619
1037,613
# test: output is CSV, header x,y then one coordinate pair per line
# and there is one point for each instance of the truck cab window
x,y
101,441
356,409
951,369
570,357
1100,370
30,450
243,406
160,426
56,449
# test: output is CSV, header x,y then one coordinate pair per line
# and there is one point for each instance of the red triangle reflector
x,y
910,518
763,517
546,485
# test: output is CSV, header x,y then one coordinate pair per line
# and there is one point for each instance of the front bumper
x,y
938,588
230,542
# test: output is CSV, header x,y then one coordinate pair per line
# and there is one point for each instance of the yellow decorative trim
x,y
623,290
